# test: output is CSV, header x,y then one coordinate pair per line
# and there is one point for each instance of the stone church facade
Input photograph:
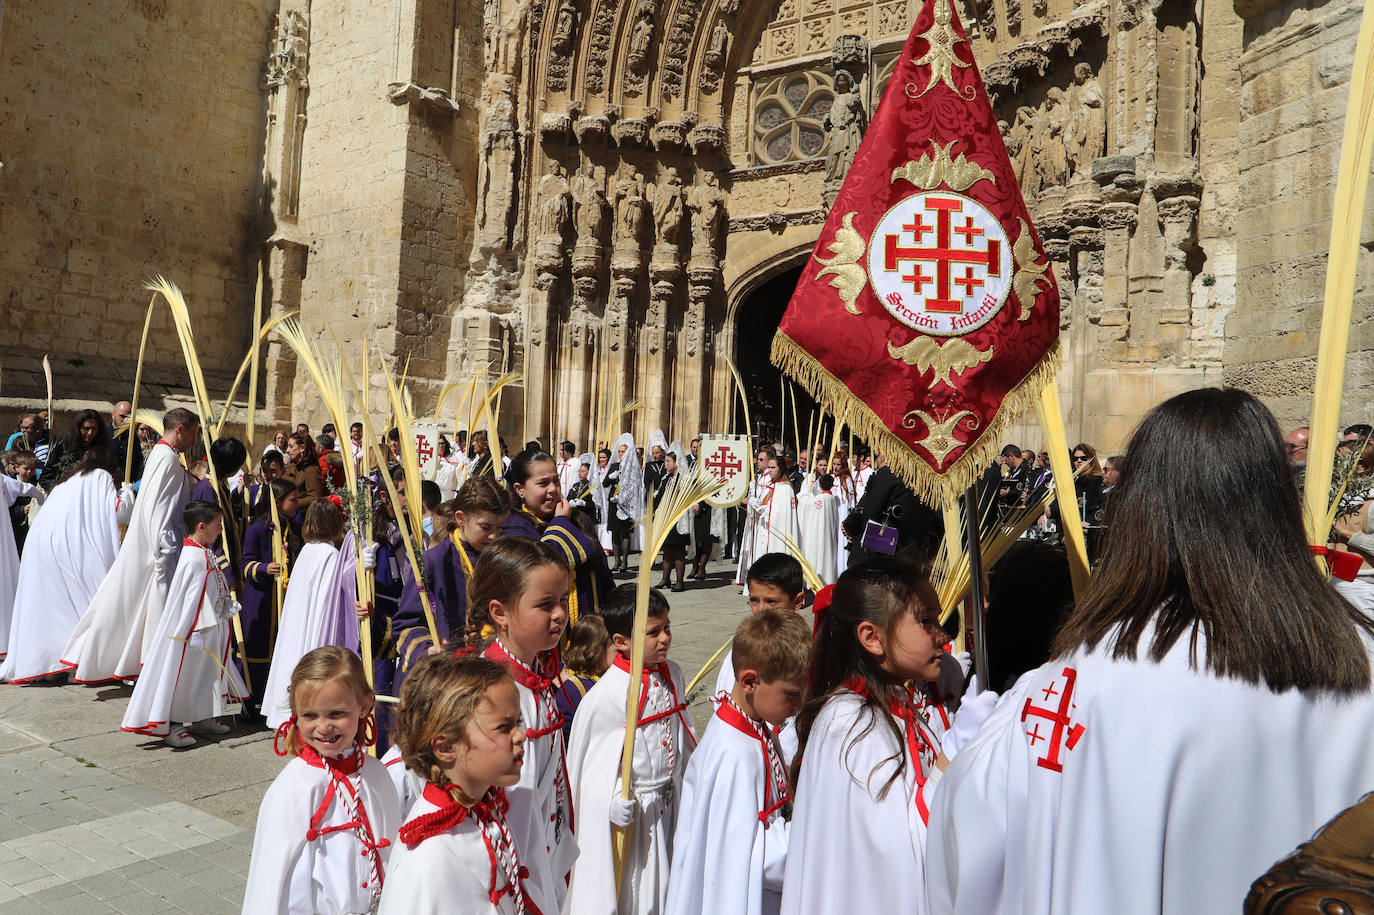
x,y
612,194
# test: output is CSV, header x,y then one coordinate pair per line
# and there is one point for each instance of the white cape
x,y
70,547
187,673
817,524
594,747
288,872
317,611
851,851
446,873
546,844
1175,789
117,628
11,490
724,858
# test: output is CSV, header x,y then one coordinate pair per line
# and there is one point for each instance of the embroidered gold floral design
x,y
1030,272
954,357
847,249
940,56
929,172
939,440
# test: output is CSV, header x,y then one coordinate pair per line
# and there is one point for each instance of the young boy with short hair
x,y
774,582
187,672
731,840
662,747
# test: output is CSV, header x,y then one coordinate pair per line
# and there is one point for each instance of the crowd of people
x,y
458,741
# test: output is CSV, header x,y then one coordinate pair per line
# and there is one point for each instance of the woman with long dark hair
x,y
88,430
1207,708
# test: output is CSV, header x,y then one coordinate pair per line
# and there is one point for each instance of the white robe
x,y
844,504
1176,789
594,748
288,873
187,672
725,683
567,473
317,611
70,547
446,873
409,786
117,628
11,490
541,809
724,858
776,514
449,475
747,551
817,522
851,851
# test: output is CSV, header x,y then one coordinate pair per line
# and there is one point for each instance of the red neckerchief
x,y
187,541
163,441
663,673
490,815
921,746
540,684
548,718
340,768
775,783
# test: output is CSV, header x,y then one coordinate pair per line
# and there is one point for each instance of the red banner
x,y
927,316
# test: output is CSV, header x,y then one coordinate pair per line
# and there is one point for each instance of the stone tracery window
x,y
789,115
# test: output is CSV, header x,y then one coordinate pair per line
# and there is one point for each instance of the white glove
x,y
973,711
622,811
370,555
577,503
124,510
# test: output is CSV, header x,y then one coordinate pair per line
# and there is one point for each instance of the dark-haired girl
x,y
865,750
1208,705
541,512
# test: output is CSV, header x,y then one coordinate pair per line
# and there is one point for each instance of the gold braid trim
x,y
939,489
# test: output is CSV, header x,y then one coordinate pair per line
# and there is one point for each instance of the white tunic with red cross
x,y
1102,785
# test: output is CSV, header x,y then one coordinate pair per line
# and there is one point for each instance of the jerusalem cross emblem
x,y
940,263
1060,731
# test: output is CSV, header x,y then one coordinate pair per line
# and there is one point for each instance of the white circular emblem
x,y
940,263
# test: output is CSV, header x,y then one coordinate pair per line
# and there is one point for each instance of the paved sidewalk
x,y
95,820
83,840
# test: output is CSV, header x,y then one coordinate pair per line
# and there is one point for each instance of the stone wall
x,y
1294,72
131,140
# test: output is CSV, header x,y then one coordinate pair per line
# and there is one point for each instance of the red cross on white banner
x,y
726,458
1064,730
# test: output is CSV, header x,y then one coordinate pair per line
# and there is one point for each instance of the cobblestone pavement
x,y
95,820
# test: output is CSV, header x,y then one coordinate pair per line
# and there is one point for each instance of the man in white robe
x,y
1126,786
568,462
188,675
110,641
747,550
818,525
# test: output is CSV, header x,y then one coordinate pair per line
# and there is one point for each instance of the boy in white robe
x,y
188,674
817,524
730,847
117,629
661,751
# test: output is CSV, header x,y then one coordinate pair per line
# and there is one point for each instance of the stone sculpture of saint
x,y
844,125
705,202
591,210
555,205
564,26
1086,134
668,209
630,206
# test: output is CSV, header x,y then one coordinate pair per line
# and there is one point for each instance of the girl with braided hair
x,y
459,730
517,611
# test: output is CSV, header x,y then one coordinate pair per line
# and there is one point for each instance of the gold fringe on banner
x,y
934,488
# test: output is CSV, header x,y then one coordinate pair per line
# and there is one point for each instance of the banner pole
x,y
972,544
